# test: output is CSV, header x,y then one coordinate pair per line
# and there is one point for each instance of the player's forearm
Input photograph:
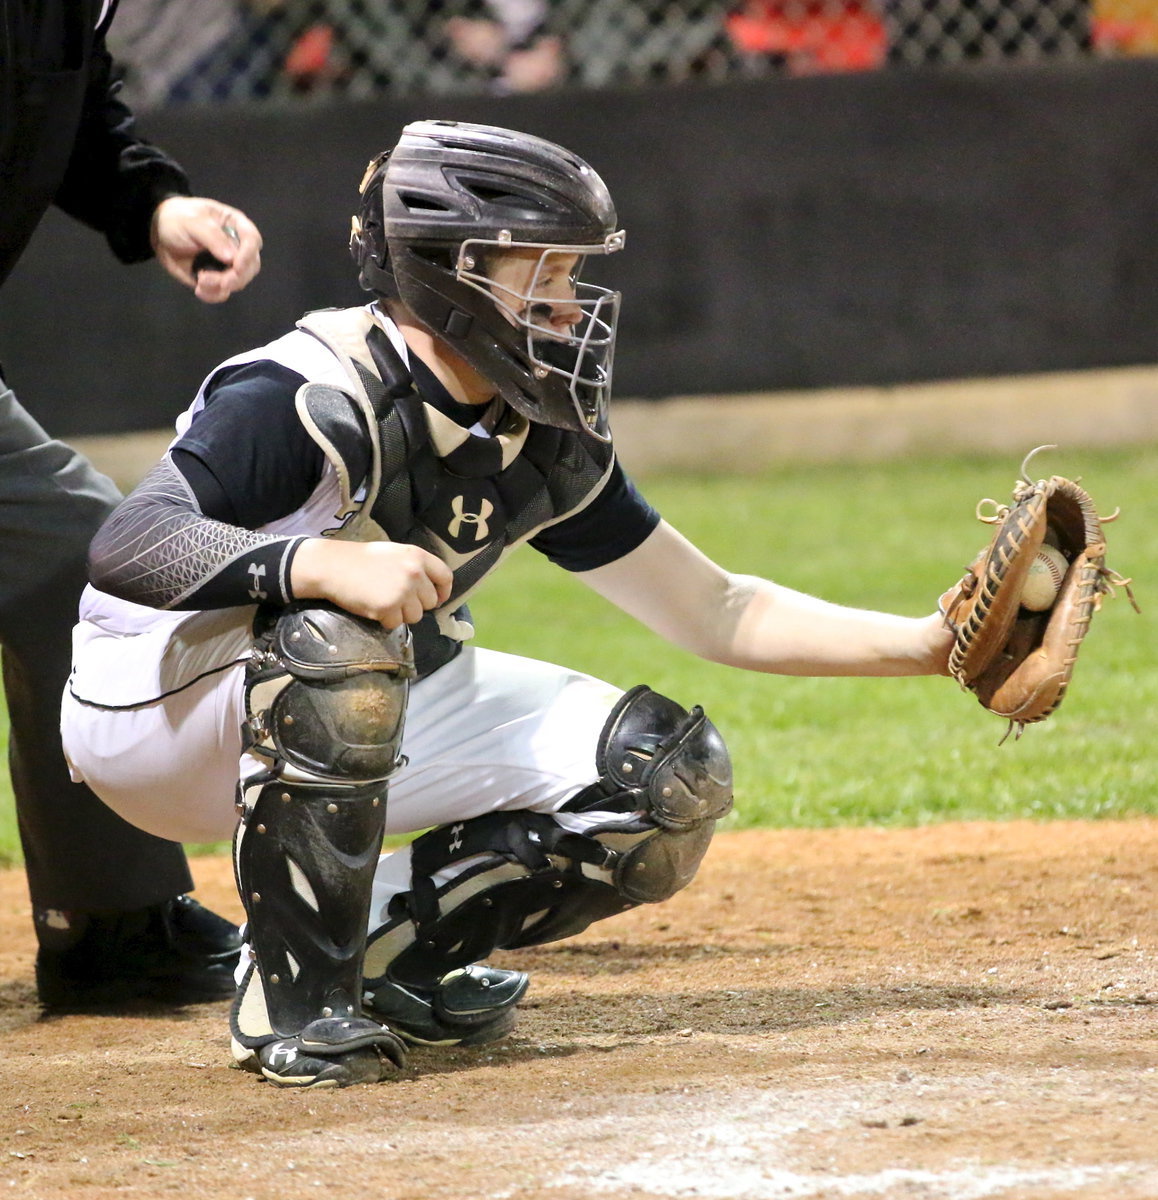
x,y
747,622
158,550
787,632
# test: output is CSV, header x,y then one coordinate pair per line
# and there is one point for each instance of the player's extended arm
x,y
743,621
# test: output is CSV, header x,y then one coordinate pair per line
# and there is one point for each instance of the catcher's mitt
x,y
1018,663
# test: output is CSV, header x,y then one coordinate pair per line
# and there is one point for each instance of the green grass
x,y
817,752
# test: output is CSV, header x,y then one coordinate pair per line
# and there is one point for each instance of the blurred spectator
x,y
615,42
212,50
173,51
443,46
508,41
344,46
1126,27
922,32
804,37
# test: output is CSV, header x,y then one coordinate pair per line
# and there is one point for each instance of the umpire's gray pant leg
x,y
80,856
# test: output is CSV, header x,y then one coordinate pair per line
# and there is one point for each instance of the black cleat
x,y
330,1052
468,1007
173,953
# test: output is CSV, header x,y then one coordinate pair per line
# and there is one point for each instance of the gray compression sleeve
x,y
157,549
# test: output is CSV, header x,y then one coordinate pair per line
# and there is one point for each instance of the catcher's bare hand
x,y
389,582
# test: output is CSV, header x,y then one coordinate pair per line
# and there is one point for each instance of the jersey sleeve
x,y
247,457
188,537
613,524
158,550
115,179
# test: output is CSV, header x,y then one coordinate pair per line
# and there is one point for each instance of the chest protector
x,y
408,473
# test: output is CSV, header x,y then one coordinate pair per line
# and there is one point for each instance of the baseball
x,y
1046,573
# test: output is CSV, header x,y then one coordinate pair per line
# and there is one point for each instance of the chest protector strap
x,y
361,432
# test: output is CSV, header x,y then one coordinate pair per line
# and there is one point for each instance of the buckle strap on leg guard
x,y
440,995
512,879
523,880
530,840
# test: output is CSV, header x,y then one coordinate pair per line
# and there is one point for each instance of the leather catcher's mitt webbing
x,y
1019,663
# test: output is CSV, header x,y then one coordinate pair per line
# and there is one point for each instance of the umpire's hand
x,y
186,226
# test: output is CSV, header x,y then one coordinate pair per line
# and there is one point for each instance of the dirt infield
x,y
958,1011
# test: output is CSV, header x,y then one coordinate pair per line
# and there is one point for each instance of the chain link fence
x,y
179,52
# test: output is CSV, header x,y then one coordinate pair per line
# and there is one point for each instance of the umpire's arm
x,y
115,180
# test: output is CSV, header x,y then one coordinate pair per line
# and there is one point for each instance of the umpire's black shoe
x,y
468,1007
173,953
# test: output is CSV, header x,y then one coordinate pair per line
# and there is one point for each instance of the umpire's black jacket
x,y
65,138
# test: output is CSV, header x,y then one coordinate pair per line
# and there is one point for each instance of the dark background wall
x,y
867,229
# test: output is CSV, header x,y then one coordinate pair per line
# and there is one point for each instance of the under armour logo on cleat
x,y
281,1054
455,837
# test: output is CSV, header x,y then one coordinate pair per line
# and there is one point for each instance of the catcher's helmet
x,y
440,206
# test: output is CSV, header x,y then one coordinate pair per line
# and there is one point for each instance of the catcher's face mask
x,y
568,327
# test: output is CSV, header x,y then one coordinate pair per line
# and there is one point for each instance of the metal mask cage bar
x,y
580,354
469,269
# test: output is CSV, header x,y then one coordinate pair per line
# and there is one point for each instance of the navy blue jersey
x,y
250,461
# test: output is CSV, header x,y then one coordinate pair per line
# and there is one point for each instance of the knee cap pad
x,y
674,760
656,757
662,863
326,692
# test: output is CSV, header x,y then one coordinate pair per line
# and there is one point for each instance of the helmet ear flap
x,y
368,246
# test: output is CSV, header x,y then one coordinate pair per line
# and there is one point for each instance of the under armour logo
x,y
281,1054
478,519
456,837
257,574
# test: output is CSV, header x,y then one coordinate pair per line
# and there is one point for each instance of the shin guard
x,y
326,698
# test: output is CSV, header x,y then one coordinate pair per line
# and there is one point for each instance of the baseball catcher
x,y
1017,641
279,615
